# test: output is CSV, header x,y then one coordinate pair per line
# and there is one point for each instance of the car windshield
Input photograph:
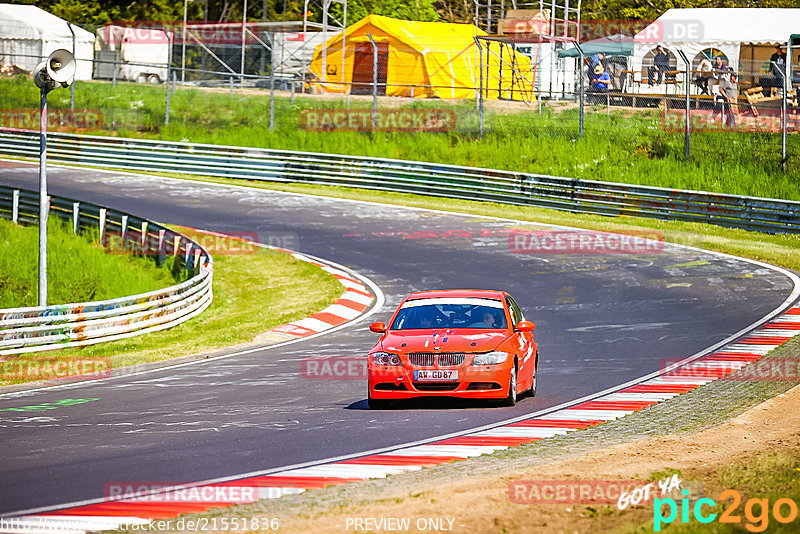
x,y
450,313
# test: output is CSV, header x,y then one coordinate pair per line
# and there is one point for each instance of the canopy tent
x,y
440,60
744,37
615,46
29,34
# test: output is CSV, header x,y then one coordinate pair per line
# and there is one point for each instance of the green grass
x,y
629,146
79,270
252,294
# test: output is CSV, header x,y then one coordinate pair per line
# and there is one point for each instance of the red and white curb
x,y
671,382
356,300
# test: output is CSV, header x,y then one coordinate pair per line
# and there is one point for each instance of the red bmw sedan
x,y
469,343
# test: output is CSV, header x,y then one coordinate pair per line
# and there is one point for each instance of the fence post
x,y
479,101
271,81
15,206
374,81
72,85
688,87
787,85
230,83
169,66
580,90
291,98
114,74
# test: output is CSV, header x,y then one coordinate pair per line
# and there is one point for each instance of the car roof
x,y
458,293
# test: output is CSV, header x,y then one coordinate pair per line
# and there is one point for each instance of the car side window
x,y
516,313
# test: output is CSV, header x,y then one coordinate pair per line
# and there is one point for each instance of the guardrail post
x,y
144,235
76,217
124,232
102,226
161,253
186,263
15,206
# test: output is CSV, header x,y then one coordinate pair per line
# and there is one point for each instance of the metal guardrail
x,y
24,330
451,181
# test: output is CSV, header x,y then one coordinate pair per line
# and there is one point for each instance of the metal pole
x,y
44,206
688,87
271,81
374,81
183,44
784,121
788,87
72,85
169,71
580,90
480,86
116,60
244,26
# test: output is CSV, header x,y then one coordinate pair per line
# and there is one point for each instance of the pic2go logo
x,y
756,511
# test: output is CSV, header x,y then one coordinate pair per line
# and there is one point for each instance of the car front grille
x,y
435,386
428,359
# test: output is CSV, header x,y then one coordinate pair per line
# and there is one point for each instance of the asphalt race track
x,y
601,320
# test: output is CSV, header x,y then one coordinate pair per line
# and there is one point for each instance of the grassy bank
x,y
79,270
628,146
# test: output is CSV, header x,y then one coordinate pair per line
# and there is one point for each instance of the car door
x,y
524,342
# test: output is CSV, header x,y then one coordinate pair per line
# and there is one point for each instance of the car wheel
x,y
511,400
154,79
141,78
377,404
535,372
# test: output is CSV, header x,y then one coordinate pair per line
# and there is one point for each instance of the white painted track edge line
x,y
787,303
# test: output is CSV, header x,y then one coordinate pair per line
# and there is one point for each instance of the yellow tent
x,y
437,59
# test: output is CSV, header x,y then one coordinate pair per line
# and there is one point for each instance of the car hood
x,y
447,340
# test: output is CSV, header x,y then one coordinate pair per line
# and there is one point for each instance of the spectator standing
x,y
660,65
777,68
725,101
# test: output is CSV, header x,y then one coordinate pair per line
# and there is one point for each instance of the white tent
x,y
745,37
28,35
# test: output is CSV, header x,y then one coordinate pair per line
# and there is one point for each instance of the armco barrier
x,y
71,325
580,196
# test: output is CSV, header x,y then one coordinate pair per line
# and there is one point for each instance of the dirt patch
x,y
482,504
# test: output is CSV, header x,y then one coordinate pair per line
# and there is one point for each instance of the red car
x,y
467,343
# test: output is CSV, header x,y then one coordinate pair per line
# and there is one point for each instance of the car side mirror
x,y
525,326
377,327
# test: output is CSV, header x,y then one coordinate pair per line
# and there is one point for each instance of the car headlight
x,y
490,358
385,358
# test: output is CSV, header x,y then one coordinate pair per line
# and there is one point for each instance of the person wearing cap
x,y
601,82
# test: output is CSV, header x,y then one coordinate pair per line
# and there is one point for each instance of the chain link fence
x,y
464,86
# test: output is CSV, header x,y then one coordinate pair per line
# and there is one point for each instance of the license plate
x,y
435,375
